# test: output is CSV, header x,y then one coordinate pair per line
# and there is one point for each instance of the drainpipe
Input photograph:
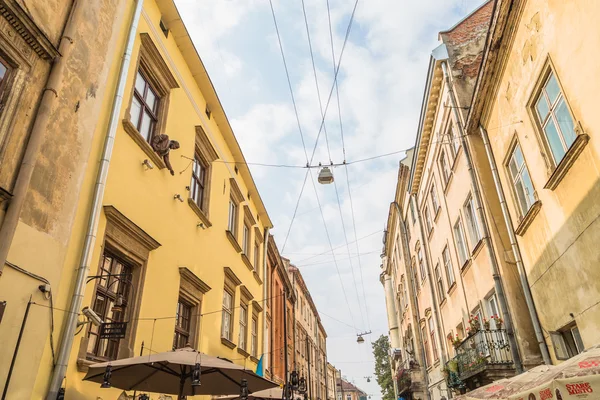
x,y
68,334
38,132
420,347
436,311
537,327
266,294
486,232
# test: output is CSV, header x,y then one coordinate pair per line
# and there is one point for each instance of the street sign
x,y
113,330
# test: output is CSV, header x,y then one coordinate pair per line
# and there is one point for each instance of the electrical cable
x,y
341,259
338,247
331,162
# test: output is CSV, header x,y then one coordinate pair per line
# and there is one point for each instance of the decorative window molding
x,y
128,234
236,193
256,306
157,69
192,290
248,216
231,279
247,297
204,146
192,285
258,235
205,154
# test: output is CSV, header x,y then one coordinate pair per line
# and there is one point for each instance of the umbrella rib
x,y
114,370
164,368
227,376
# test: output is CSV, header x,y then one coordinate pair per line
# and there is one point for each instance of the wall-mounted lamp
x,y
147,164
178,197
201,225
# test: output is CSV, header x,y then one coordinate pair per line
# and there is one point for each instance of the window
x,y
243,326
444,166
144,107
433,341
415,276
454,139
183,318
404,292
407,231
256,255
421,263
472,225
227,316
434,200
554,118
233,210
426,346
254,337
198,181
428,222
461,247
448,266
567,342
521,181
440,283
246,239
493,309
412,212
348,397
111,299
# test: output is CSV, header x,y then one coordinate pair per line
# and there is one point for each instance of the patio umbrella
x,y
576,378
275,393
173,372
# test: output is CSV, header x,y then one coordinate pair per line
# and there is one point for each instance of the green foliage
x,y
383,373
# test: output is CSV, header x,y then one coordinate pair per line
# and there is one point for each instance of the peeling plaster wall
x,y
61,177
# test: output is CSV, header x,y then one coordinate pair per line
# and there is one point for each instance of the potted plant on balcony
x,y
499,321
474,324
455,340
486,323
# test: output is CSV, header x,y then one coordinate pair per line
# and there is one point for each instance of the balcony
x,y
481,358
409,377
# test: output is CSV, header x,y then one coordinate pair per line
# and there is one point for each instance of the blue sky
x,y
381,81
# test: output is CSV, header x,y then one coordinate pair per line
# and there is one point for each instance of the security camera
x,y
92,316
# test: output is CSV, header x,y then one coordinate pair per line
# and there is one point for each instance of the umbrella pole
x,y
182,382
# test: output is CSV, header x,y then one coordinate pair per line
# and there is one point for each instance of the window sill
x,y
233,241
528,218
455,161
451,289
477,248
465,266
83,364
243,352
228,343
443,302
144,145
247,262
254,359
437,214
203,218
448,182
257,277
567,162
430,234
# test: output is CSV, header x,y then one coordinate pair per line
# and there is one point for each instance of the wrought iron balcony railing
x,y
482,349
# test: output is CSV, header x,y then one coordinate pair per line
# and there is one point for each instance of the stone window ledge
x,y
567,162
477,248
203,218
233,241
528,218
451,289
447,183
247,262
254,359
243,352
228,343
83,364
465,266
144,145
257,277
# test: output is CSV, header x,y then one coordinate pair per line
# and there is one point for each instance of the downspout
x,y
414,304
38,132
537,326
68,334
486,232
265,295
436,311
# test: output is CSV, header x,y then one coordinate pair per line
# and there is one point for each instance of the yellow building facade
x,y
178,255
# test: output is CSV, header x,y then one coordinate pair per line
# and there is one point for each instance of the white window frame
x,y
448,266
428,220
445,167
461,243
227,315
472,221
434,200
519,178
233,213
243,335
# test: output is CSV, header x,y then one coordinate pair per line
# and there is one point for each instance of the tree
x,y
383,372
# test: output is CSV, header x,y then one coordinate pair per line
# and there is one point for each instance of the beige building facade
x,y
490,255
535,103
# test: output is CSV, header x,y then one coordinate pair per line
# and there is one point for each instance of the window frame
x,y
472,221
447,259
425,336
446,171
228,335
243,327
153,112
546,73
254,336
419,250
431,325
440,283
198,183
460,238
233,216
434,200
428,220
182,331
524,168
569,343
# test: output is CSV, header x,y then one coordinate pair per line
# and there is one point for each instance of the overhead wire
x,y
329,155
309,161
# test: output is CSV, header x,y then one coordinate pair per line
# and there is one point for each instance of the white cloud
x,y
381,82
